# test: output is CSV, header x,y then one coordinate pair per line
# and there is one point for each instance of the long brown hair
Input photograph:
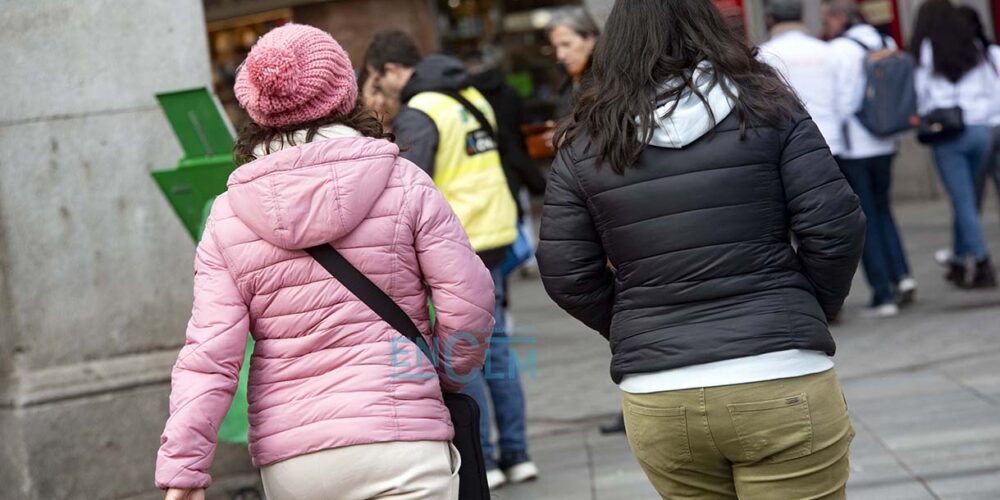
x,y
361,118
647,43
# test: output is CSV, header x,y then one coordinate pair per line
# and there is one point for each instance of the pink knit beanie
x,y
296,74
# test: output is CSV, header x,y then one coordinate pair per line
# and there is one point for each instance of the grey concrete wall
x,y
95,269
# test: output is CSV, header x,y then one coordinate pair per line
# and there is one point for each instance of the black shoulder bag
x,y
463,409
941,124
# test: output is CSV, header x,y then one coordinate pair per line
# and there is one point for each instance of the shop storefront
x,y
510,33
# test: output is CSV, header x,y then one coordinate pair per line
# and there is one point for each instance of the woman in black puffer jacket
x,y
668,228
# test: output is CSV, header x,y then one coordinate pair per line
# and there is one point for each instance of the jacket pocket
x,y
773,431
659,436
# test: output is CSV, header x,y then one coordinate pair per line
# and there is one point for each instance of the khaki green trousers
x,y
775,440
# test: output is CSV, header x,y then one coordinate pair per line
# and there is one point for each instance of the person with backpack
x,y
956,87
448,129
341,404
863,56
685,172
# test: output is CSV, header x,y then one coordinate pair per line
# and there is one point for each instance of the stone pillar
x,y
95,269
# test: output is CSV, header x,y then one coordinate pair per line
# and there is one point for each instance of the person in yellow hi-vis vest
x,y
440,128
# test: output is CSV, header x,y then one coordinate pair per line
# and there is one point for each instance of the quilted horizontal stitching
x,y
230,246
331,348
320,374
310,167
327,395
662,254
835,219
265,266
682,324
763,270
807,191
293,285
324,278
684,212
349,300
331,419
702,301
811,151
637,183
222,334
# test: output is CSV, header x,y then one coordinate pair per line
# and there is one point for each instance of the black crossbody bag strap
x,y
368,292
474,111
463,410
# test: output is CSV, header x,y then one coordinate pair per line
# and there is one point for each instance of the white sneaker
x,y
495,478
524,471
882,311
907,288
943,257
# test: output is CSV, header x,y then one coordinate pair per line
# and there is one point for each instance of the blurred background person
x,y
991,168
954,78
523,175
435,132
573,33
688,164
385,106
866,159
807,64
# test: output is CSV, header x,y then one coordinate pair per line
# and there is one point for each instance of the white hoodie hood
x,y
690,120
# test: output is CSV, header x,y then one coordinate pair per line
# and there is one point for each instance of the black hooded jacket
x,y
687,258
415,132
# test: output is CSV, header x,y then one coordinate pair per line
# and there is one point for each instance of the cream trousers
x,y
398,470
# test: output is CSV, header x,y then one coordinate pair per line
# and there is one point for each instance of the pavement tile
x,y
901,491
984,486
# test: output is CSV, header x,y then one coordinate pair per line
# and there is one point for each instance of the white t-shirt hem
x,y
770,366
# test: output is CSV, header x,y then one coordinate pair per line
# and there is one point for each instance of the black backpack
x,y
889,105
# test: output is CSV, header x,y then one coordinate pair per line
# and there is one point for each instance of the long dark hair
x,y
971,16
953,40
647,43
361,118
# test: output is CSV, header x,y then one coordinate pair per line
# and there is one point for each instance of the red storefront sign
x,y
732,10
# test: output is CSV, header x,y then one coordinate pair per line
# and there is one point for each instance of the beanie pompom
x,y
273,71
295,74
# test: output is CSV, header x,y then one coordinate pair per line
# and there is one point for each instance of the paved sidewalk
x,y
923,388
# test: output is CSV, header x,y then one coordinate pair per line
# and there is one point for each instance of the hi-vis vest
x,y
468,171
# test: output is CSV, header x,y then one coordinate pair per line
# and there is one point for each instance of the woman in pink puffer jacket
x,y
341,405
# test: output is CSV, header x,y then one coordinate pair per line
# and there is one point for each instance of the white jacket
x,y
808,64
994,56
850,90
975,93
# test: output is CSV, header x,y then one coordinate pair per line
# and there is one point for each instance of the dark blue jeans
x,y
960,163
990,171
500,376
883,258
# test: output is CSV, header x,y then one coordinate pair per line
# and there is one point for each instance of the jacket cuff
x,y
177,476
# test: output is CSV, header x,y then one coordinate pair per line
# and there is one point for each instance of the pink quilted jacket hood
x,y
326,372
